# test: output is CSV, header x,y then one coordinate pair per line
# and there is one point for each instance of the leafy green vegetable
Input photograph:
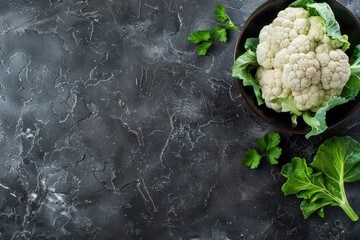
x,y
332,26
352,87
318,121
199,36
273,155
219,33
231,26
268,145
206,37
252,158
245,65
220,14
355,58
251,44
204,46
288,105
321,184
222,17
301,3
269,141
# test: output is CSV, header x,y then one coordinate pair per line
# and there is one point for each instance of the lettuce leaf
x,y
245,65
336,162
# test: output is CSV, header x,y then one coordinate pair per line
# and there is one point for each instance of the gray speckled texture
x,y
111,127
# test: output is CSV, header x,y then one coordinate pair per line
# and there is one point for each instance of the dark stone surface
x,y
111,127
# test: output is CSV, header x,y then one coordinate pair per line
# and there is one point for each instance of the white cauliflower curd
x,y
299,62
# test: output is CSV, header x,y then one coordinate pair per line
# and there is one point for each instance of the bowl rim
x,y
241,87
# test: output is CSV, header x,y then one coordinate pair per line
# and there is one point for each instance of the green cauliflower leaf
x,y
244,68
321,184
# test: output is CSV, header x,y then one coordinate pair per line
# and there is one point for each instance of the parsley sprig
x,y
268,146
205,38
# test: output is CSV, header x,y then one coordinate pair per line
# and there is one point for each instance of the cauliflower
x,y
299,62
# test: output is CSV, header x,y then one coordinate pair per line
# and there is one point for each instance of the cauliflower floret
x,y
281,58
283,22
269,45
317,28
265,32
265,56
333,44
271,86
302,71
331,93
335,69
301,26
302,44
293,13
309,98
323,48
289,24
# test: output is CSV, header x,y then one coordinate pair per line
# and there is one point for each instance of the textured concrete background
x,y
111,127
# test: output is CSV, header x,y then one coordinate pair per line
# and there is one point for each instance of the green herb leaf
x,y
203,48
220,14
322,183
251,158
244,68
231,26
219,33
199,36
332,26
269,146
222,17
270,140
261,144
318,121
273,155
206,37
301,3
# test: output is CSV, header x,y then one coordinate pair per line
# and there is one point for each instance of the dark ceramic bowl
x,y
264,15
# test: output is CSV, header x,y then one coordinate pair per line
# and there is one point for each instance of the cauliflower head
x,y
298,61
